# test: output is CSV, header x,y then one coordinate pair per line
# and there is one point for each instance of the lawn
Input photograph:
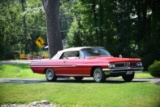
x,y
18,71
89,94
77,94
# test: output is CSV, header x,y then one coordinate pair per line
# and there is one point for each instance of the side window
x,y
81,55
70,55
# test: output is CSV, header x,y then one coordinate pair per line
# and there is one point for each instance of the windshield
x,y
88,52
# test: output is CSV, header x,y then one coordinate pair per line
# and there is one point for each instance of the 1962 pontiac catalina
x,y
82,62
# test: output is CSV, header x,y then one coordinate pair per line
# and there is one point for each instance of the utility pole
x,y
25,27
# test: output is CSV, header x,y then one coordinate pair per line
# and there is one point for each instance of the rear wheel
x,y
50,75
98,75
128,78
78,78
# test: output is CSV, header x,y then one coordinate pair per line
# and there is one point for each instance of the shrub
x,y
148,60
154,69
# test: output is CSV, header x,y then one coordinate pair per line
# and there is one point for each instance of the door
x,y
72,64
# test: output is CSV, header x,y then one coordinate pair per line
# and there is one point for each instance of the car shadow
x,y
109,81
22,81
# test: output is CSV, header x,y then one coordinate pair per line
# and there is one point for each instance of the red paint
x,y
66,67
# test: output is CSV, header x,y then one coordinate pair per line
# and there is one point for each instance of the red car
x,y
82,62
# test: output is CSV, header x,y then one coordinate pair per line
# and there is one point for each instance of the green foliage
x,y
147,60
14,35
97,25
154,69
12,26
123,27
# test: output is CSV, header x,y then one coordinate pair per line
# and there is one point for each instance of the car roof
x,y
78,48
59,53
74,49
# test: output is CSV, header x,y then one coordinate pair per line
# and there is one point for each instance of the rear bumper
x,y
121,71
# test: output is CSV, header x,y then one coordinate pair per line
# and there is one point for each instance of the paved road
x,y
67,80
19,61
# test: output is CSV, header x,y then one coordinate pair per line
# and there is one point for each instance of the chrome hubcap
x,y
97,75
49,74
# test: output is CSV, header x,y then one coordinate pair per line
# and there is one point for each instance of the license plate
x,y
129,72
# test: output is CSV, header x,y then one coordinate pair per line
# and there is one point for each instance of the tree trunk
x,y
95,21
101,12
53,26
25,28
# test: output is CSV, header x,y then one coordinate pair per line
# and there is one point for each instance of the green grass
x,y
77,94
18,71
24,71
72,94
143,75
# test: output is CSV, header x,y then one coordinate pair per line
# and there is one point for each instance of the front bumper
x,y
121,71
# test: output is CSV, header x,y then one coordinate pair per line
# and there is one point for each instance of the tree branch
x,y
45,4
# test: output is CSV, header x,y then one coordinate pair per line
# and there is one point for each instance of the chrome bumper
x,y
108,71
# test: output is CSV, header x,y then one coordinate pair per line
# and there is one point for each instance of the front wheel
x,y
50,75
128,78
98,75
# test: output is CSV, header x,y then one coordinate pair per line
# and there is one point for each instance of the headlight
x,y
139,64
111,65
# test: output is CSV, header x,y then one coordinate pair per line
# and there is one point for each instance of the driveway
x,y
19,61
68,80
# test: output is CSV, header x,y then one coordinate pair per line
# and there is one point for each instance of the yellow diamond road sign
x,y
39,42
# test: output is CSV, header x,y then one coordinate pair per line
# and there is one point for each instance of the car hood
x,y
114,59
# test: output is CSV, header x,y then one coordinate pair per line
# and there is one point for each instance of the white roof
x,y
74,49
59,53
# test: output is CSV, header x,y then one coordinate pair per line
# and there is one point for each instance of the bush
x,y
147,60
154,69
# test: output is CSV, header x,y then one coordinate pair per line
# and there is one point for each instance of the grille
x,y
121,65
133,64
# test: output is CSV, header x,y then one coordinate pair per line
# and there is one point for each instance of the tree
x,y
25,26
9,35
51,8
130,28
12,28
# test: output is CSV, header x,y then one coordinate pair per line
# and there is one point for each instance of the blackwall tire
x,y
98,75
128,78
50,75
